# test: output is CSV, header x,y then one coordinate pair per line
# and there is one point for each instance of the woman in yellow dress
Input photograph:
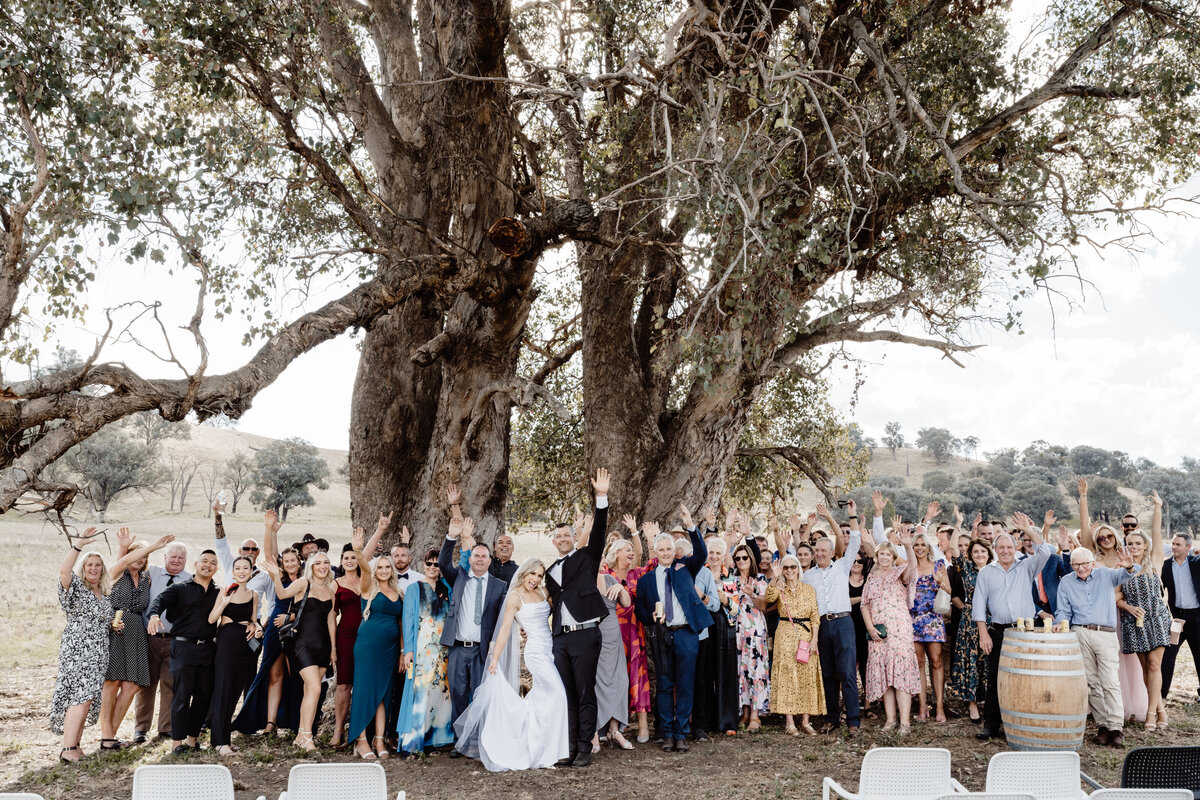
x,y
795,684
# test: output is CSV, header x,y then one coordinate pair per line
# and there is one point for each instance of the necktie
x,y
478,600
1042,589
670,596
170,579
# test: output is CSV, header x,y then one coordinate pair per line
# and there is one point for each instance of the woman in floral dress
x,y
426,717
748,590
83,657
929,628
891,660
621,561
968,673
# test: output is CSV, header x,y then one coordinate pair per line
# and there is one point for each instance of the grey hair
x,y
683,547
176,547
1084,554
716,543
1008,536
664,537
614,549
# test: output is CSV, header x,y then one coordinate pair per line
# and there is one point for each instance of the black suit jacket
x,y
578,591
1168,579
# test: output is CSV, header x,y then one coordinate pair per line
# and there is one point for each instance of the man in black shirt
x,y
188,604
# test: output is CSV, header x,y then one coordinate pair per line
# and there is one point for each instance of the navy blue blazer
x,y
493,600
1168,579
683,585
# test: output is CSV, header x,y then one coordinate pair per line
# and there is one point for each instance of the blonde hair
x,y
891,548
393,582
308,568
1118,538
105,584
1148,558
614,549
924,537
528,566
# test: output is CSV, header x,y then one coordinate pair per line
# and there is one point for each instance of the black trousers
x,y
233,669
991,709
466,670
715,707
575,657
192,680
1189,636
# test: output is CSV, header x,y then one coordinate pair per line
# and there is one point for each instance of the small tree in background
x,y
238,475
938,442
283,471
893,439
151,428
112,463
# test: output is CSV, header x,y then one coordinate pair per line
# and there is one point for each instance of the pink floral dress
x,y
891,663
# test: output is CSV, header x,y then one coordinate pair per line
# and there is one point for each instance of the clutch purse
x,y
881,629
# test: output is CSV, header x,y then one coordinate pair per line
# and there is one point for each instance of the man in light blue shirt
x,y
1087,600
1003,592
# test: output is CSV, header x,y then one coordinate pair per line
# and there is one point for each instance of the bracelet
x,y
852,516
76,549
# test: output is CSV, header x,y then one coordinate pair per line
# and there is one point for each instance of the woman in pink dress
x,y
891,659
619,561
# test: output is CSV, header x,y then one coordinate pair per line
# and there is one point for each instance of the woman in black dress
x,y
236,614
128,646
311,652
859,571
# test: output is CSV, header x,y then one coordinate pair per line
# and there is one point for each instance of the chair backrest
x,y
1162,768
1049,776
895,772
1141,794
182,782
20,796
324,781
988,796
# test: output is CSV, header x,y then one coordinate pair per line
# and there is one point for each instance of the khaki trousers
x,y
160,679
1100,662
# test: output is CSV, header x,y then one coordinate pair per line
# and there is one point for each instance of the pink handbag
x,y
803,649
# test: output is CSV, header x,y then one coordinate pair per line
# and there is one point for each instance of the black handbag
x,y
291,627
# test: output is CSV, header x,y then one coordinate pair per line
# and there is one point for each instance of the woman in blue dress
x,y
426,718
376,650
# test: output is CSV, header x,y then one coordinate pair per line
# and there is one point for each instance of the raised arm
x,y
1156,529
781,544
125,561
1085,522
866,543
220,543
68,565
271,526
381,527
634,539
910,567
297,587
365,578
595,545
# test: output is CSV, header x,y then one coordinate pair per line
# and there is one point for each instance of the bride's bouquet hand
x,y
492,666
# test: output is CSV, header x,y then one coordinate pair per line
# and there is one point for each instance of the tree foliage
x,y
893,438
938,442
283,472
111,464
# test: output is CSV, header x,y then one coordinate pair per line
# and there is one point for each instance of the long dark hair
x,y
755,567
441,589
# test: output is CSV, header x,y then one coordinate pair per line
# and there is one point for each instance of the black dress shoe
x,y
454,754
181,749
582,759
139,737
162,735
701,736
681,746
986,733
1116,738
565,762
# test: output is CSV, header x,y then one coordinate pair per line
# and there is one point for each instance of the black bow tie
x,y
559,561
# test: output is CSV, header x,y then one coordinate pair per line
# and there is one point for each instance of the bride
x,y
500,728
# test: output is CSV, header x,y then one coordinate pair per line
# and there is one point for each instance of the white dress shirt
x,y
565,617
468,630
676,612
832,583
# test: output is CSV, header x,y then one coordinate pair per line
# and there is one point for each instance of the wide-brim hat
x,y
322,544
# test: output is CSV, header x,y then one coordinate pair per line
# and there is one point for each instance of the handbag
x,y
881,629
291,627
941,603
803,648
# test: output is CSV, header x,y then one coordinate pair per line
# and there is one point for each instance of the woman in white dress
x,y
502,729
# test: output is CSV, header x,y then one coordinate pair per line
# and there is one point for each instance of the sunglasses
x,y
1128,525
858,561
791,567
431,563
1104,537
250,549
741,558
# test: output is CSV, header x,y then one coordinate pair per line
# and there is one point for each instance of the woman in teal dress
x,y
376,650
426,718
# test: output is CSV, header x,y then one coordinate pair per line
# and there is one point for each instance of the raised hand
x,y
629,522
457,526
271,522
905,536
162,541
852,507
651,530
586,527
1064,541
811,519
1082,486
1154,498
686,516
124,538
468,527
453,495
933,510
794,522
958,518
405,536
773,524
1124,559
744,525
269,566
731,519
1021,521
88,535
1049,519
879,501
358,539
384,521
600,482
822,510
897,522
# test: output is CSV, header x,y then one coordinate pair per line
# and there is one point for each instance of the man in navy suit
x,y
474,607
1181,577
675,628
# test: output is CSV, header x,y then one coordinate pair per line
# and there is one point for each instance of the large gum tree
x,y
746,186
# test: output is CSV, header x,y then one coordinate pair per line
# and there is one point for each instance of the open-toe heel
x,y
64,759
381,750
110,744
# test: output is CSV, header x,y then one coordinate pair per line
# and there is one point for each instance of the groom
x,y
578,607
477,598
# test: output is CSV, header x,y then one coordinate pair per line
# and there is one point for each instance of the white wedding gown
x,y
506,731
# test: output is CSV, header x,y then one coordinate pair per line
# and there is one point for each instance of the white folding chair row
x,y
214,782
1141,794
897,772
987,796
1047,776
348,781
182,782
20,796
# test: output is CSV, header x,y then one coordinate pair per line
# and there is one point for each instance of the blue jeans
x,y
839,669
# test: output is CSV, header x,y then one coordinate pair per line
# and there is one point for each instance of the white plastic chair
x,y
1047,776
182,782
987,796
20,796
900,772
1136,794
350,781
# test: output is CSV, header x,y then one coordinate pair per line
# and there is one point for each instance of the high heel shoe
x,y
620,741
304,741
381,750
367,756
110,744
1162,717
66,760
269,728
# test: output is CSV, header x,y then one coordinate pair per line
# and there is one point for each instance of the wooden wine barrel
x,y
1043,691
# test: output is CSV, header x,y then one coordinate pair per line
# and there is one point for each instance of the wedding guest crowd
x,y
672,637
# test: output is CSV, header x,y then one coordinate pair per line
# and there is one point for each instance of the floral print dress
x,y
426,715
928,625
633,636
83,657
754,664
968,672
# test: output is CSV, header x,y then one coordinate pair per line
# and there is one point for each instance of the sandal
x,y
940,719
620,741
808,728
791,731
110,744
903,730
888,726
367,756
269,728
304,741
754,725
227,750
382,752
66,760
1162,717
